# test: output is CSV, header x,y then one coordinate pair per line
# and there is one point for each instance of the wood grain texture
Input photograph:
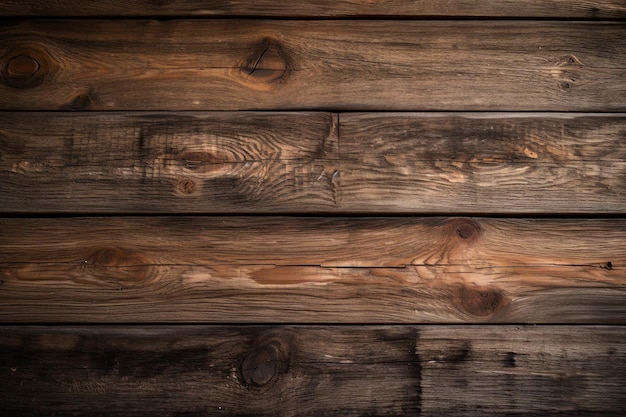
x,y
287,269
272,162
312,370
349,65
587,9
520,371
482,163
101,112
200,371
156,162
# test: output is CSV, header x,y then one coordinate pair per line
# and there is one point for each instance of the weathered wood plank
x,y
477,163
353,64
249,162
235,371
587,9
184,162
312,371
283,269
469,371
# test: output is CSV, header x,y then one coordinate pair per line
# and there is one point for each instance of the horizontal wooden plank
x,y
587,9
255,64
477,163
521,371
312,371
288,269
267,162
182,162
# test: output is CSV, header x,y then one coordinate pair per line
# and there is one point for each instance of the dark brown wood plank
x,y
312,371
521,371
353,65
234,371
587,9
248,162
287,269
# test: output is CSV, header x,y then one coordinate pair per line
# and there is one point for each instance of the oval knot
x,y
26,67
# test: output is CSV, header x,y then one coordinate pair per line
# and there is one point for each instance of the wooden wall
x,y
331,208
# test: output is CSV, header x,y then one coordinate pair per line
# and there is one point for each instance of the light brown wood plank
x,y
352,65
287,269
249,162
312,371
587,9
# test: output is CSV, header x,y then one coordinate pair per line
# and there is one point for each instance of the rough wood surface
x,y
587,9
482,163
272,162
255,64
322,81
176,163
313,371
522,371
287,269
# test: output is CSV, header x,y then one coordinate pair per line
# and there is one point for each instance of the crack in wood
x,y
256,63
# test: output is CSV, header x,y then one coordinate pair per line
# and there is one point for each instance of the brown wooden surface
x,y
354,64
477,163
391,311
587,9
313,371
155,162
565,370
286,269
272,162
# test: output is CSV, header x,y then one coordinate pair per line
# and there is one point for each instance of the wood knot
x,y
569,60
466,230
111,256
480,301
106,257
186,186
267,64
120,265
26,67
22,66
82,101
268,359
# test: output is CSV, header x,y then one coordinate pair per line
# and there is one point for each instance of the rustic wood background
x,y
330,208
